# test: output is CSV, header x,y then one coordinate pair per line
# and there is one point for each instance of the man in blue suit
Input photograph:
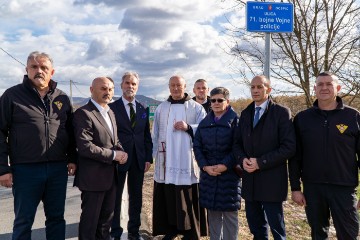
x,y
133,130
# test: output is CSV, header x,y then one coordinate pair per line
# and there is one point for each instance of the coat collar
x,y
251,106
340,104
28,84
181,101
227,118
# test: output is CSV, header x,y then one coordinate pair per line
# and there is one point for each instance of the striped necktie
x,y
132,115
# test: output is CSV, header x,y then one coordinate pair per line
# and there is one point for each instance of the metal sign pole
x,y
267,55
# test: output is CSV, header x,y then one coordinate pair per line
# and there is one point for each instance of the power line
x,y
12,56
79,90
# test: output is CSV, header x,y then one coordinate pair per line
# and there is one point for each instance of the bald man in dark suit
x,y
264,140
99,152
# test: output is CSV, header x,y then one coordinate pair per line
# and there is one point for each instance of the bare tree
x,y
326,37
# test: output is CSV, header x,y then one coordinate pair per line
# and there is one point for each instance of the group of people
x,y
206,158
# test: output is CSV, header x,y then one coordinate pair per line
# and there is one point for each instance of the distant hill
x,y
79,101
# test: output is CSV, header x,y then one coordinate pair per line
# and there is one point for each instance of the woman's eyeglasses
x,y
219,100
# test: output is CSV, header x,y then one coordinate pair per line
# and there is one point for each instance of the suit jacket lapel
x,y
113,122
123,112
101,119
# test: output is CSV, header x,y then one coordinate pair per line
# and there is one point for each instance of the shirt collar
x,y
263,105
126,102
102,110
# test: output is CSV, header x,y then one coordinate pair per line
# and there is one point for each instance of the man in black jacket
x,y
264,140
36,136
326,162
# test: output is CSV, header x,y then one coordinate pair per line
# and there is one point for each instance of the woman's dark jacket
x,y
212,146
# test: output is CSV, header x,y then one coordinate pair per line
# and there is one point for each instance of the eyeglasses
x,y
219,100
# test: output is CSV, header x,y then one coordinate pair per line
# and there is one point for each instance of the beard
x,y
201,97
129,93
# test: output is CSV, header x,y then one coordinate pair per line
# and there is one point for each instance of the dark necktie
x,y
257,116
132,115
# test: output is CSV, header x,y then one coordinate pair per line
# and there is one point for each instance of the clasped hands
x,y
121,157
215,170
250,165
180,125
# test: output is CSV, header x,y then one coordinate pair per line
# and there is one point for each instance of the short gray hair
x,y
220,90
130,74
37,54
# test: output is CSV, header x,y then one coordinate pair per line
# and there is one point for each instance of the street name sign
x,y
269,17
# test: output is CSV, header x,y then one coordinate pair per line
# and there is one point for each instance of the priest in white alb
x,y
176,209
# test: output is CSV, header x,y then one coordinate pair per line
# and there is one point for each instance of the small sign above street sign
x,y
269,17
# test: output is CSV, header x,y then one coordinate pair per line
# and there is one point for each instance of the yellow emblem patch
x,y
58,104
342,127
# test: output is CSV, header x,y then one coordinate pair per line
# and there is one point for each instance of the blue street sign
x,y
269,17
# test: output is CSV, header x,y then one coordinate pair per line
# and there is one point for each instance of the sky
x,y
91,38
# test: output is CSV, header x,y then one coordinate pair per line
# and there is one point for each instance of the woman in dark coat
x,y
219,184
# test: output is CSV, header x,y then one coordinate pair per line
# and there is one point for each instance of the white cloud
x,y
89,38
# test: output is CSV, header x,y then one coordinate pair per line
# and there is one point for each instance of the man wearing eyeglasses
x,y
327,161
176,207
264,140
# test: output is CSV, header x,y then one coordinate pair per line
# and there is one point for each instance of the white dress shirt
x,y
263,107
105,114
127,107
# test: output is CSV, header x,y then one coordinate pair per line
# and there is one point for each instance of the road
x,y
72,215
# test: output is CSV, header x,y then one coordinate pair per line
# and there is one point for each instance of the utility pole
x,y
71,98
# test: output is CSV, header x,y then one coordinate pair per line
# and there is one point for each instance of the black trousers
x,y
134,183
260,215
97,212
176,210
339,201
37,182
